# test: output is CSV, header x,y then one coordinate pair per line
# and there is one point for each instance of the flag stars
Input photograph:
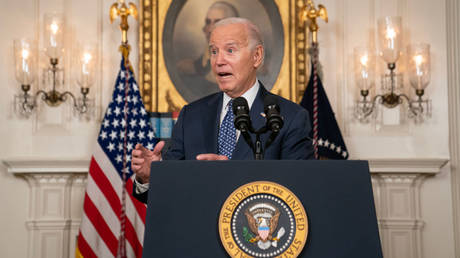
x,y
113,135
142,123
120,146
109,111
115,123
106,123
143,112
320,142
111,147
119,99
151,135
135,87
134,110
326,144
117,111
141,135
133,123
103,135
135,100
129,146
150,146
332,147
121,86
122,134
118,159
131,135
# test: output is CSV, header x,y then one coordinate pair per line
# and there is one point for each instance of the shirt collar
x,y
249,95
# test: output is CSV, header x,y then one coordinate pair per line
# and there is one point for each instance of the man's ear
x,y
258,56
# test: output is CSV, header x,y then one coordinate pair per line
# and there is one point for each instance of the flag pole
x,y
123,11
309,14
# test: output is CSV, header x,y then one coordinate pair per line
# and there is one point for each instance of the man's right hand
x,y
141,159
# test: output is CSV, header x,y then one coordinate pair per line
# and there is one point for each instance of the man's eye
x,y
213,51
230,50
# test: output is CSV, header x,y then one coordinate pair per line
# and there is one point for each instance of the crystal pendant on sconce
x,y
386,84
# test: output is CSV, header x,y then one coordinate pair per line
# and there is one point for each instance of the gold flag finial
x,y
121,9
310,13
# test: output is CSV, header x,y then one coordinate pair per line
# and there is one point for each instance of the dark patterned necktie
x,y
227,133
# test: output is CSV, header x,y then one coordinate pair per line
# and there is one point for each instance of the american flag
x,y
110,212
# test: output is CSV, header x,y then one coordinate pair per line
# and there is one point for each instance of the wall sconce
x,y
389,37
53,76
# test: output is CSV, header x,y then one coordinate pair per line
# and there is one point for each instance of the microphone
x,y
241,111
242,120
272,112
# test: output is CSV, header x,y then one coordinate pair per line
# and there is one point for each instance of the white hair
x,y
254,36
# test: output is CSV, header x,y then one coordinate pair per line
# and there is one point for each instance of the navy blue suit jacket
x,y
197,127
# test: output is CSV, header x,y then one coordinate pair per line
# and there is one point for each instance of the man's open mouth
x,y
224,74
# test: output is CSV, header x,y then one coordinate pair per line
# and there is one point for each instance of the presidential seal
x,y
263,219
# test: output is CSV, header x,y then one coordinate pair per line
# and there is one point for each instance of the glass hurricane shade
x,y
419,65
364,66
54,34
86,66
25,61
389,38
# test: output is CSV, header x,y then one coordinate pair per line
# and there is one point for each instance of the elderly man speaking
x,y
205,130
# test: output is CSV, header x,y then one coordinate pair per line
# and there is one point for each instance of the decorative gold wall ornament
x,y
159,92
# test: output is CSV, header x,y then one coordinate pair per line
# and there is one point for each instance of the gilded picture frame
x,y
162,87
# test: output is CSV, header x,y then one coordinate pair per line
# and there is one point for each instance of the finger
x,y
137,161
211,156
136,153
158,148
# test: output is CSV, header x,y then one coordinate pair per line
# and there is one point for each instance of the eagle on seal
x,y
263,221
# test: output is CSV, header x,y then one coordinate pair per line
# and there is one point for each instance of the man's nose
x,y
220,58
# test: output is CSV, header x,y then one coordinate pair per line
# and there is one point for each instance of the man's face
x,y
214,15
232,61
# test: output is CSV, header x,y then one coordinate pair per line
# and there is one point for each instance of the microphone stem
x,y
258,154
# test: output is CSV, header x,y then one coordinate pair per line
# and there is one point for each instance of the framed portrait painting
x,y
174,63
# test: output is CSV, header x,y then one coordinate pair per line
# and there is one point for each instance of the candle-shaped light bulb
x,y
54,27
391,33
364,63
54,34
87,57
25,54
86,62
418,63
364,59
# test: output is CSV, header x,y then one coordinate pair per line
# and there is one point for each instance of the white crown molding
x,y
46,166
418,166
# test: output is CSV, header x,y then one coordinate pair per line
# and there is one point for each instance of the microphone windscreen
x,y
270,100
240,103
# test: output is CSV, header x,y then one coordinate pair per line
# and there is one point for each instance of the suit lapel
x,y
211,114
242,150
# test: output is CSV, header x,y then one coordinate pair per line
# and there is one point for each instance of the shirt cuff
x,y
141,188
